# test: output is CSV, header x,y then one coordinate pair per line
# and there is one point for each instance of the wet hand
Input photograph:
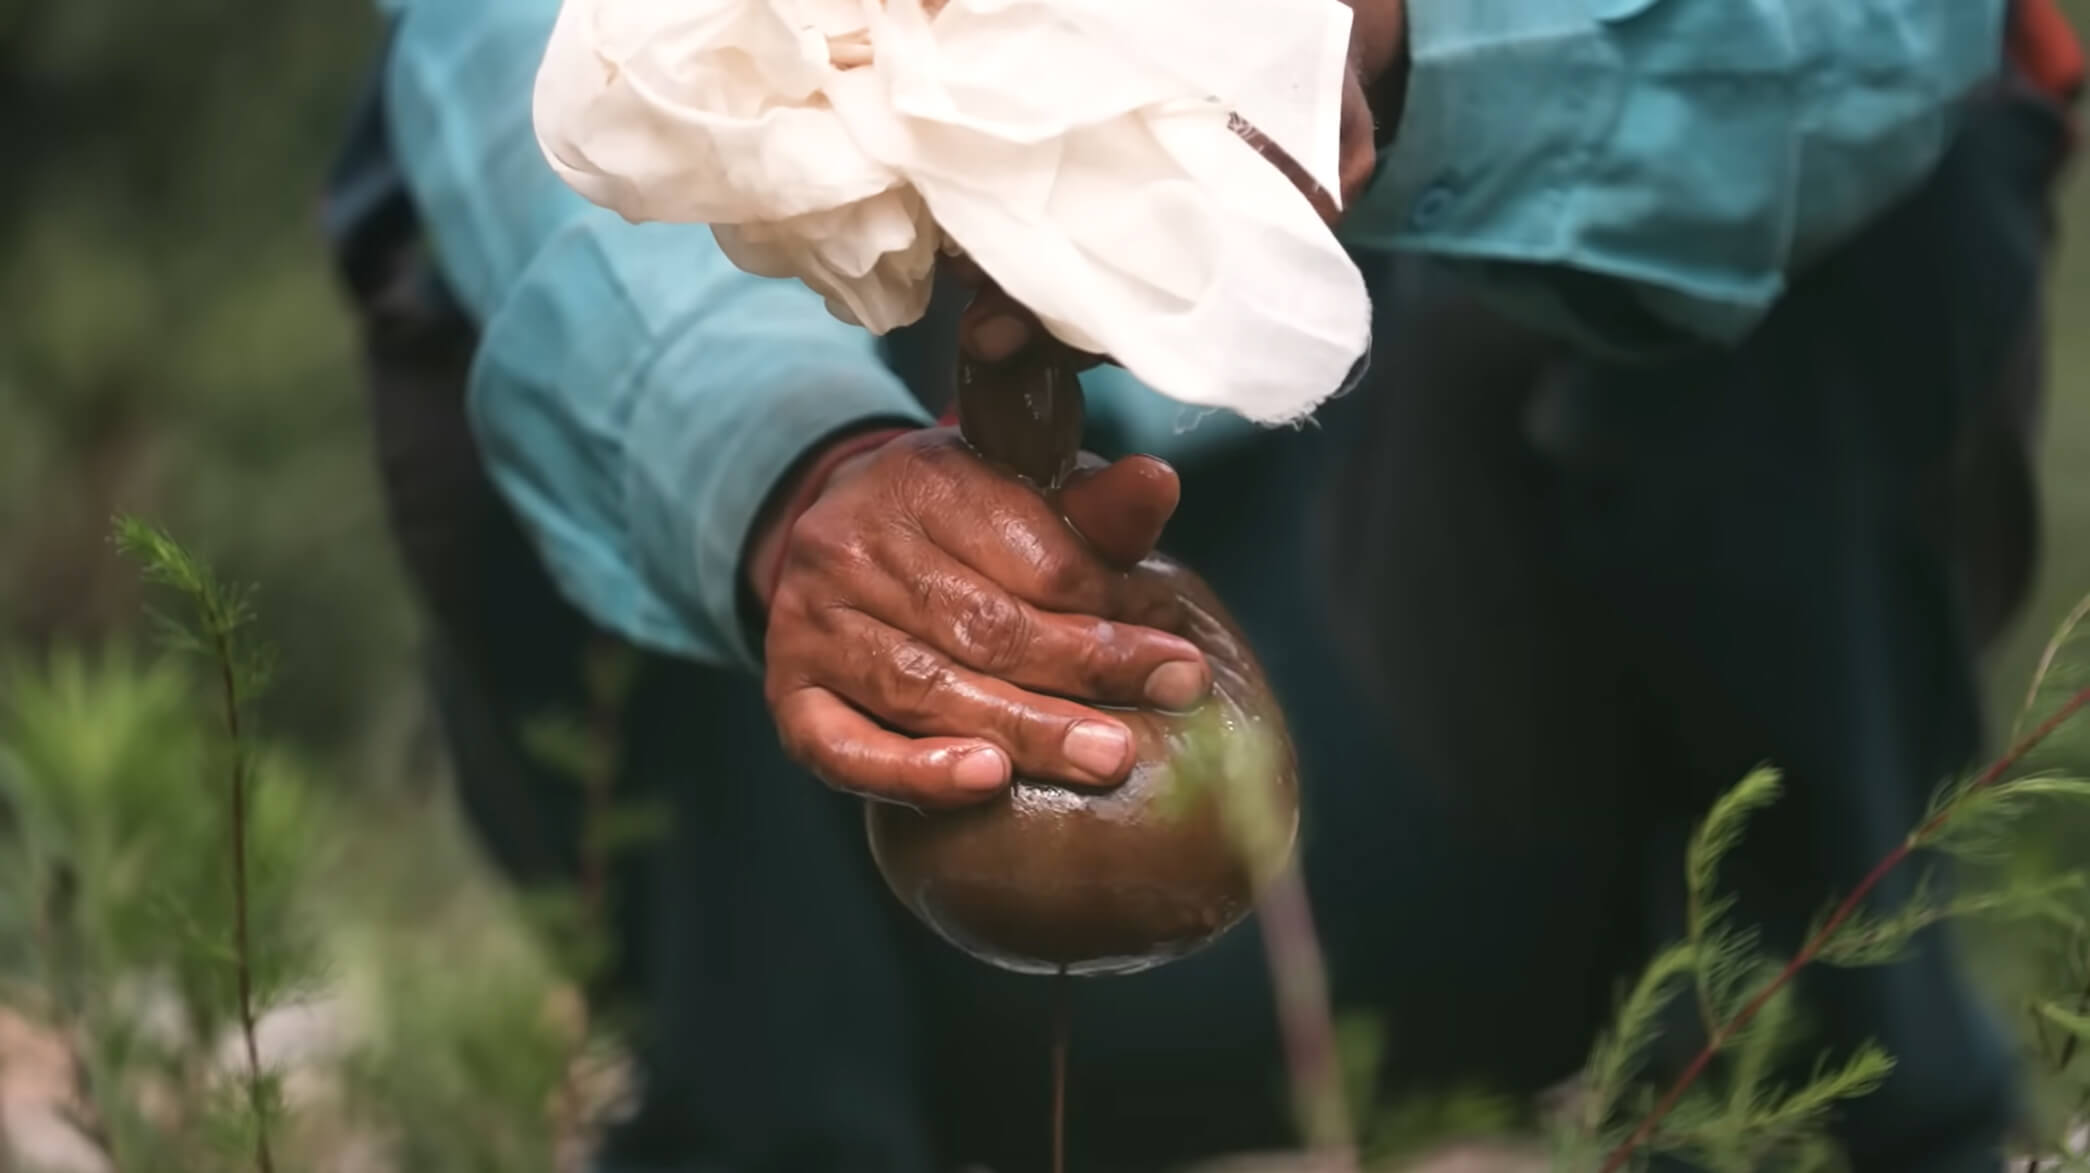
x,y
930,619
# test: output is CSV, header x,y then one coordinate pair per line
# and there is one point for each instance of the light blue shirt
x,y
637,397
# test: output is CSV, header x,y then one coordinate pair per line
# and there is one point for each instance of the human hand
x,y
928,616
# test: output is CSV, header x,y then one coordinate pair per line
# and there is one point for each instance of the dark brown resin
x,y
1047,878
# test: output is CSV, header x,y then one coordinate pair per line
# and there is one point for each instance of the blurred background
x,y
172,345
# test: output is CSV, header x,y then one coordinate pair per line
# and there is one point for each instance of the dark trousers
x,y
1528,612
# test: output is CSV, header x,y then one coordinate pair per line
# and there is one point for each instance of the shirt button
x,y
1431,206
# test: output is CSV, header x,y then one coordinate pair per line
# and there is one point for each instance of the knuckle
x,y
925,592
823,761
1147,602
837,557
824,541
793,607
1064,579
926,463
912,680
993,629
799,745
923,483
1103,655
827,618
1034,728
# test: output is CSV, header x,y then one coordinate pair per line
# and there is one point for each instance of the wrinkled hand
x,y
934,625
930,615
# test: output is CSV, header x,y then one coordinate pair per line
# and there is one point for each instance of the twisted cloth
x,y
1083,153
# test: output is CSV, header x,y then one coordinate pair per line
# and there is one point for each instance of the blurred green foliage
x,y
174,345
2065,447
115,889
172,883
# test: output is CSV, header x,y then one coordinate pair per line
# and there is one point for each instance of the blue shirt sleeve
x,y
635,395
1692,153
1628,171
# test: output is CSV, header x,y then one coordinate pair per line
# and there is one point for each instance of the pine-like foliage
x,y
1733,1108
1722,1112
149,875
175,893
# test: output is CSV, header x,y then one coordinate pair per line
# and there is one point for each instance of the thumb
x,y
994,327
1121,508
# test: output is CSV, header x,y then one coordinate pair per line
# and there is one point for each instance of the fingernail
x,y
1097,747
982,769
999,337
1178,684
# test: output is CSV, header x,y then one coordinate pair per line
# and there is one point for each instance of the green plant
x,y
1745,999
170,884
152,878
1739,1118
219,632
1728,1110
1233,762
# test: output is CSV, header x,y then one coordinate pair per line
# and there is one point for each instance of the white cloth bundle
x,y
1078,150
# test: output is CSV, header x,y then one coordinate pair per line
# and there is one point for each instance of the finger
x,y
939,600
1045,563
849,752
1315,194
930,487
1360,152
1006,532
1122,508
913,687
995,328
963,269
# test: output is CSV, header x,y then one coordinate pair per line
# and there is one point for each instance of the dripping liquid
x,y
1062,1013
1026,416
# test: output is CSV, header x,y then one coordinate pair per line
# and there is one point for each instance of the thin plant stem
x,y
2047,656
1298,975
1812,949
2052,651
2069,1044
1694,917
243,956
221,615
